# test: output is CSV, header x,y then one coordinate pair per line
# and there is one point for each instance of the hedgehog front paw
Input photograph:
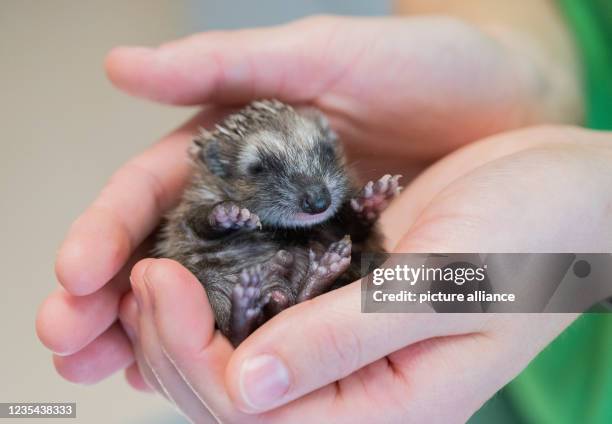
x,y
247,304
375,197
323,271
228,216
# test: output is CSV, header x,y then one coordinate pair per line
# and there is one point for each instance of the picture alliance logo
x,y
458,273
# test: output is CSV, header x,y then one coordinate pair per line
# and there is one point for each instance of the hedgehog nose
x,y
316,199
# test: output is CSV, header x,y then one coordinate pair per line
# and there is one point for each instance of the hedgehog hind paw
x,y
247,304
324,270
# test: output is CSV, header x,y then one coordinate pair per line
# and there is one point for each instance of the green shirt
x,y
571,380
591,22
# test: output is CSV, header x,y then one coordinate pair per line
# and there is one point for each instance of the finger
x,y
342,340
480,364
173,384
274,366
126,211
234,67
413,385
129,316
186,330
66,323
108,354
136,380
403,212
472,213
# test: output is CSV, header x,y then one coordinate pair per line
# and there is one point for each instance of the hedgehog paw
x,y
281,264
279,296
324,270
247,304
375,197
279,300
228,216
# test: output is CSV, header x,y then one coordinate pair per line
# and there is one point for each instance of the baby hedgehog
x,y
272,217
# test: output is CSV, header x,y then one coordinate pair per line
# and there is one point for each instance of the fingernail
x,y
264,379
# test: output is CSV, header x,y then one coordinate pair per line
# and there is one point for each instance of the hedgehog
x,y
272,215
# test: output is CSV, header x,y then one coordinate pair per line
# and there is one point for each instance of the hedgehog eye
x,y
255,168
328,150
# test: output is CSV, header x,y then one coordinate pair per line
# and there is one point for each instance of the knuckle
x,y
139,269
70,368
341,346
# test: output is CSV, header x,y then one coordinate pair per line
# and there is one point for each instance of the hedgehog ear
x,y
321,121
208,152
211,155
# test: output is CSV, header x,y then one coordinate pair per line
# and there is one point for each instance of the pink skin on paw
x,y
375,196
231,216
323,271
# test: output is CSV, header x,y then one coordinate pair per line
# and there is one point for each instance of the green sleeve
x,y
591,23
571,380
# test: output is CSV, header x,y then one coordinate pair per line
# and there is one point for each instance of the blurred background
x,y
65,129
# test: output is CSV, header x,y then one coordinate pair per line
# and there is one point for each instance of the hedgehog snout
x,y
315,199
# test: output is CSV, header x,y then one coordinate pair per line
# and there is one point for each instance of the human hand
x,y
414,110
78,321
405,90
358,367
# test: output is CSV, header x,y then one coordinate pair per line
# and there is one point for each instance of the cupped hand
x,y
344,366
407,89
77,321
399,91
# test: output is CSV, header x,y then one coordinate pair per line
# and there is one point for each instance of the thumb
x,y
290,62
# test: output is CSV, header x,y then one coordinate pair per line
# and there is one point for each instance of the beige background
x,y
64,129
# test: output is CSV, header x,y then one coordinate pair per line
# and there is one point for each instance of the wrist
x,y
548,80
